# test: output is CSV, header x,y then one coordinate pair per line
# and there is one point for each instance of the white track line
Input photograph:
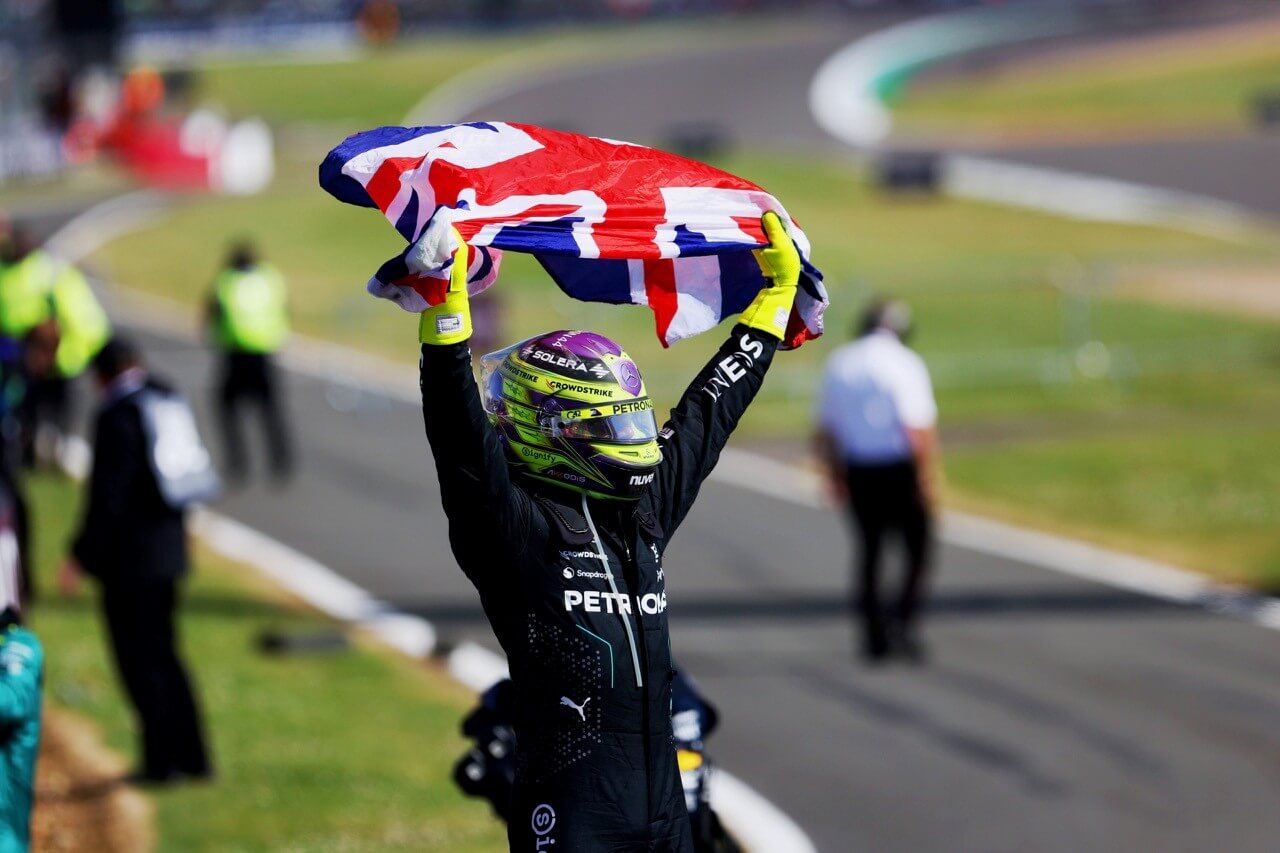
x,y
756,823
739,805
508,74
1083,560
85,233
846,95
846,100
1087,197
790,483
476,667
313,582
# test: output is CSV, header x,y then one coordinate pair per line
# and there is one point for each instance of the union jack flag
x,y
610,221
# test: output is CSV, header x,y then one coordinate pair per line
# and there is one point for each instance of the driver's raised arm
x,y
712,405
475,484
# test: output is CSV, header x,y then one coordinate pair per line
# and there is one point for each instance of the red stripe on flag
x,y
385,183
433,290
531,217
752,227
660,287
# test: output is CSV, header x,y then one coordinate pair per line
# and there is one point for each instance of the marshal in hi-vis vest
x,y
252,310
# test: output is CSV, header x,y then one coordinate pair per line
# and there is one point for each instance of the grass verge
x,y
303,757
1188,82
379,85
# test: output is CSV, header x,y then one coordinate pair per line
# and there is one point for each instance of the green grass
x,y
301,743
389,82
1160,86
379,85
1206,496
81,187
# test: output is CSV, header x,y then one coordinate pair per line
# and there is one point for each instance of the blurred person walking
x,y
148,467
877,435
249,317
21,680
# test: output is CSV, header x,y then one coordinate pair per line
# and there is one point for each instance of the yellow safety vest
x,y
82,324
253,314
26,292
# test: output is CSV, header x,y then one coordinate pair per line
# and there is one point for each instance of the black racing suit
x,y
575,593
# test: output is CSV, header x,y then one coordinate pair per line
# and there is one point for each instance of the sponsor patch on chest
x,y
594,601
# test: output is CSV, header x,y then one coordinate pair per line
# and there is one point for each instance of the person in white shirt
x,y
877,436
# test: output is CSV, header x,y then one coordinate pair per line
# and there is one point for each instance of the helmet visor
x,y
635,427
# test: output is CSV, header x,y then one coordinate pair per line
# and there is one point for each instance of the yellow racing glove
x,y
450,321
780,263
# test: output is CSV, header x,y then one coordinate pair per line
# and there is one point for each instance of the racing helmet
x,y
571,409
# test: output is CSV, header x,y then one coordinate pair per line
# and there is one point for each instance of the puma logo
x,y
565,700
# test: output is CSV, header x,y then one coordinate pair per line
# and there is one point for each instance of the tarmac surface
x,y
1244,170
760,97
1054,715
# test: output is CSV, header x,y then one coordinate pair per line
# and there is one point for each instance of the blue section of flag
x,y
590,280
741,269
540,238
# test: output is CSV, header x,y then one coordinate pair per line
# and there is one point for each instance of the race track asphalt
x,y
1244,170
759,98
758,95
1055,714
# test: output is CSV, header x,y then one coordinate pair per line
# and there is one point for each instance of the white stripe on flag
x,y
698,294
635,278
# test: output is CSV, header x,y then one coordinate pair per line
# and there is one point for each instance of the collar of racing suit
x,y
571,521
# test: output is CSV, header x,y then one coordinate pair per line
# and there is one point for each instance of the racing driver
x,y
561,495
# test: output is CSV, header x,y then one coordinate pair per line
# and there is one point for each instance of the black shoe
x,y
907,646
205,775
874,652
153,778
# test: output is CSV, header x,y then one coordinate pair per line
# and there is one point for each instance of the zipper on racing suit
x,y
613,587
631,570
631,573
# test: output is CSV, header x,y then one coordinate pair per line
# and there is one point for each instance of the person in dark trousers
x,y
21,681
878,438
134,544
249,319
561,495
